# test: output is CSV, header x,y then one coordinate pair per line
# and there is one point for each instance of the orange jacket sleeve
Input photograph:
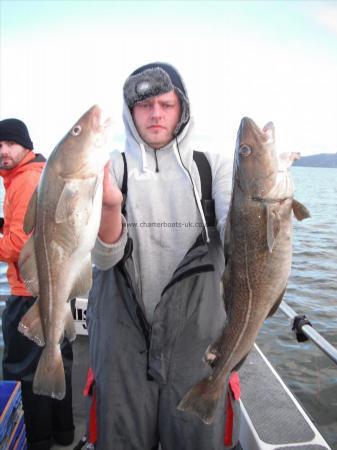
x,y
14,237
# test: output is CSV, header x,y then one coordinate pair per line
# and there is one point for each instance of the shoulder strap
x,y
205,173
124,183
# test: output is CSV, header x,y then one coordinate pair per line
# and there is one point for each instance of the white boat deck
x,y
271,416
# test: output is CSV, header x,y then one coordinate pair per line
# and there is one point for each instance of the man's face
x,y
156,118
11,154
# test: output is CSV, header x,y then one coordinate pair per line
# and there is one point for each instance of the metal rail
x,y
311,333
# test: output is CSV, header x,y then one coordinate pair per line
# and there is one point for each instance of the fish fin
x,y
30,216
31,326
69,326
276,304
273,225
202,399
49,377
94,188
300,211
67,202
74,196
212,354
28,268
83,282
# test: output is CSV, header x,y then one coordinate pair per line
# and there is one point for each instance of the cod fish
x,y
258,250
55,263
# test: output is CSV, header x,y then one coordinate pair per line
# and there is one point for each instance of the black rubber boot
x,y
64,437
63,422
41,445
38,417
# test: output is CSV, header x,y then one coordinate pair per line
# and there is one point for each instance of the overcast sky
x,y
269,60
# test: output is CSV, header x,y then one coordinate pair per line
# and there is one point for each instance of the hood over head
x,y
156,79
148,81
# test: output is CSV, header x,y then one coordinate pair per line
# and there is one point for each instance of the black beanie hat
x,y
15,130
155,79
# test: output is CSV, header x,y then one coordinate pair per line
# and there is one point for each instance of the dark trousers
x,y
45,418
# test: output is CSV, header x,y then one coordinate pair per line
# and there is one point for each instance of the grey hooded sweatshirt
x,y
164,213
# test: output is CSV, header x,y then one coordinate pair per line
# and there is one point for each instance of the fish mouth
x,y
247,124
100,120
255,161
247,121
251,139
248,128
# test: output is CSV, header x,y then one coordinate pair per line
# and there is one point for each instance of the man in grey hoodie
x,y
155,305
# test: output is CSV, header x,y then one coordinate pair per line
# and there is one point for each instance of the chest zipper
x,y
146,328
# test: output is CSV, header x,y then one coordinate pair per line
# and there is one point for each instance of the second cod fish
x,y
55,263
258,247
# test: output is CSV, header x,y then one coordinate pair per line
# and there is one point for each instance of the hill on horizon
x,y
319,160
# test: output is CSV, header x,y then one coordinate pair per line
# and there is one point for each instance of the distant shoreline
x,y
324,160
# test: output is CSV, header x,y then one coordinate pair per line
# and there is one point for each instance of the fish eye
x,y
76,130
245,150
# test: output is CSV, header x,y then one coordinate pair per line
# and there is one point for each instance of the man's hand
x,y
112,196
110,228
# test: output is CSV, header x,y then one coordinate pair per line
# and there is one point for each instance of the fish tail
x,y
202,398
49,377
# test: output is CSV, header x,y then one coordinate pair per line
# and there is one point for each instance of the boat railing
x,y
304,330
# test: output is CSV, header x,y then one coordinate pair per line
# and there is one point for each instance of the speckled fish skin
x,y
55,263
258,247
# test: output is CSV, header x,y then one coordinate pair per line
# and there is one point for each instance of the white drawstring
x,y
196,195
145,166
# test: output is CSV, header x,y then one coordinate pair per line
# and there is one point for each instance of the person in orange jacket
x,y
45,418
